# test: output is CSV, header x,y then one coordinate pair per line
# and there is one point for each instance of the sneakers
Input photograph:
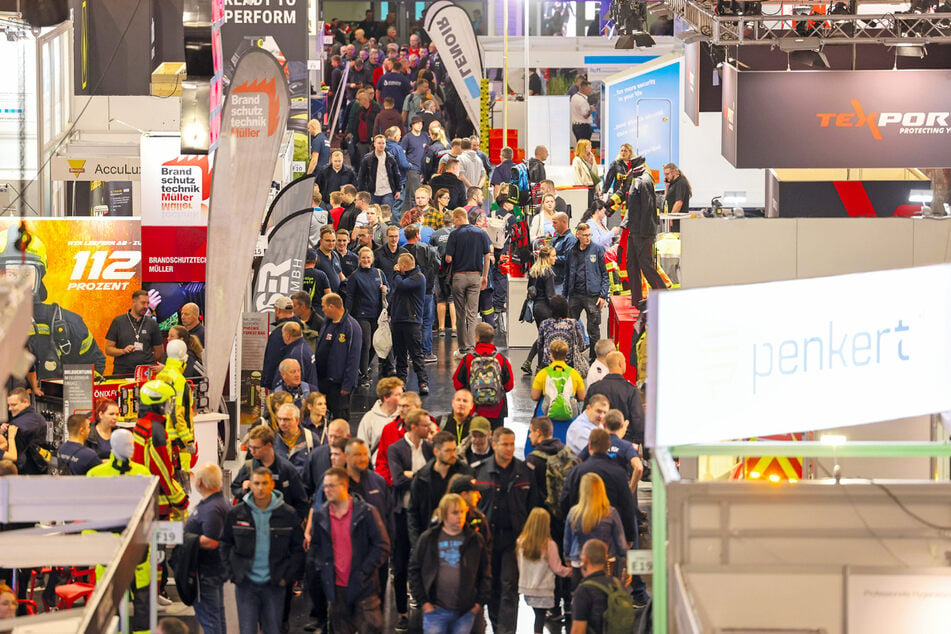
x,y
402,623
164,600
430,358
527,367
423,389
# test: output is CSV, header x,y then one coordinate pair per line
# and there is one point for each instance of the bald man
x,y
190,314
296,348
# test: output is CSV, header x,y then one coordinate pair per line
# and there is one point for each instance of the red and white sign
x,y
175,192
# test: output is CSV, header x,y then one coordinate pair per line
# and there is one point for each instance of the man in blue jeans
x,y
208,520
262,551
428,262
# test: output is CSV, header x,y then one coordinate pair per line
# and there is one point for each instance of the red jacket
x,y
392,431
460,379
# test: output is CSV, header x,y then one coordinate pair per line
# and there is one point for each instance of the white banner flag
x,y
448,26
252,125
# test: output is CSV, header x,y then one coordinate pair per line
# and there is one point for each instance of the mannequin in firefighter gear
x,y
120,464
152,446
180,423
58,335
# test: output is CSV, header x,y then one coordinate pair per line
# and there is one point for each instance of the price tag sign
x,y
640,562
260,246
169,533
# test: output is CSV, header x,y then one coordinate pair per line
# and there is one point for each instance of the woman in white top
x,y
538,563
585,169
596,217
542,223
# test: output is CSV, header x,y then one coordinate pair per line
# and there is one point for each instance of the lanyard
x,y
132,325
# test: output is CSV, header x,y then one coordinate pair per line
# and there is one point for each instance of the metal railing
x,y
771,30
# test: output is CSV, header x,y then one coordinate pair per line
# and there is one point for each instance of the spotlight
x,y
812,59
690,36
805,50
635,40
911,50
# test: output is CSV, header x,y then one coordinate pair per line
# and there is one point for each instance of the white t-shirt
x,y
596,372
382,180
580,109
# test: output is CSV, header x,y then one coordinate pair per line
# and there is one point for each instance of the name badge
x,y
137,346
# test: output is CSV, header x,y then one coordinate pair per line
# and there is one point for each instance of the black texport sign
x,y
874,118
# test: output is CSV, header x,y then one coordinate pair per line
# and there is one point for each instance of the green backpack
x,y
556,472
559,398
620,616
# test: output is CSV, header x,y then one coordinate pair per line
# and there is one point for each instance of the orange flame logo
x,y
268,87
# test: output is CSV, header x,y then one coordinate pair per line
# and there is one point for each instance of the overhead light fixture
x,y
690,36
806,51
907,47
634,40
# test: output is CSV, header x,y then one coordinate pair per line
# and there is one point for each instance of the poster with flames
x,y
84,271
175,192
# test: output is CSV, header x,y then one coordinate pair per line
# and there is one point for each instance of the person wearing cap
x,y
274,350
506,505
471,491
414,143
476,448
641,223
429,484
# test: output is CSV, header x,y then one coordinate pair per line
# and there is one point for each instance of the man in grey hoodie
x,y
262,550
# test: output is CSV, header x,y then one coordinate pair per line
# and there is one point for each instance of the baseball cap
x,y
480,424
461,485
283,302
311,255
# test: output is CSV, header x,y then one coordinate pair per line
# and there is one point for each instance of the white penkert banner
x,y
252,125
736,362
175,188
450,29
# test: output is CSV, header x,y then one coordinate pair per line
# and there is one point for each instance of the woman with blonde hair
x,y
314,416
543,222
538,563
541,288
592,517
616,176
584,167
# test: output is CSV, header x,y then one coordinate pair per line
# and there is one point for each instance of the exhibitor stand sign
x,y
827,118
175,192
788,367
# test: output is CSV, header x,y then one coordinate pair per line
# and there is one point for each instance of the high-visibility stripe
x,y
86,345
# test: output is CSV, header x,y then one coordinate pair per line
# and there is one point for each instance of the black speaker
x,y
45,12
625,41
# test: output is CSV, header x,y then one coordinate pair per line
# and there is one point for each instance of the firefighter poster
x,y
84,271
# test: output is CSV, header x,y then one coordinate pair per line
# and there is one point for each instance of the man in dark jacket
x,y
384,182
412,449
641,223
261,548
274,350
386,257
622,395
338,355
452,601
31,431
296,349
428,262
335,175
360,124
506,505
286,479
406,317
351,544
431,482
562,242
449,178
587,285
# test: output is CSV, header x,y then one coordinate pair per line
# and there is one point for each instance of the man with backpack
x,y
487,374
561,385
600,604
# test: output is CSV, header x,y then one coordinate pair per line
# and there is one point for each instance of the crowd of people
x,y
435,509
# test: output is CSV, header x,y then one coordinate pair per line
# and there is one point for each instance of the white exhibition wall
x,y
708,172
